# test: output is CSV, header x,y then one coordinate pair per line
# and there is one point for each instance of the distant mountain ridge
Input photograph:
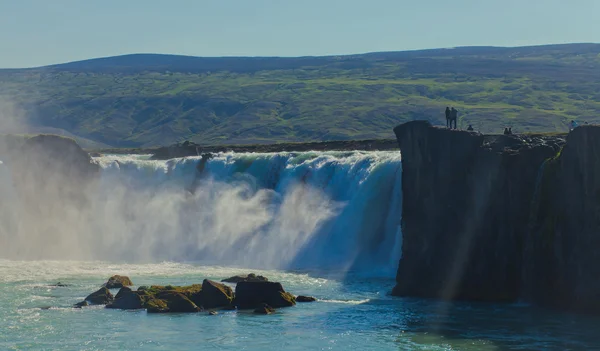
x,y
155,99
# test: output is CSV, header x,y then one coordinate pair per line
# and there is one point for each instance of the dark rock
x,y
561,252
253,294
215,294
156,306
52,168
175,302
466,209
47,307
118,281
264,309
245,278
60,285
302,298
81,304
122,292
100,297
126,299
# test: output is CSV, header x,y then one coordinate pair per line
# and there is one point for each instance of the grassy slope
x,y
144,100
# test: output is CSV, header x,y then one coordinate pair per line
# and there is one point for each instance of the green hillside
x,y
146,100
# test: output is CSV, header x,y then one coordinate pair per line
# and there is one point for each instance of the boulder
x,y
264,309
170,301
126,299
156,306
250,295
122,292
302,298
100,297
60,285
215,294
245,278
118,281
81,304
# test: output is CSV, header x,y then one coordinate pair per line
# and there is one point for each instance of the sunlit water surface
x,y
353,313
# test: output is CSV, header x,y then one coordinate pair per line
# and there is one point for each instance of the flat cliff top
x,y
491,142
192,149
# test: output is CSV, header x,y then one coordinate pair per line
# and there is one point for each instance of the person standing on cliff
x,y
447,117
453,117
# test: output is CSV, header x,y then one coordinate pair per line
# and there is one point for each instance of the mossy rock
x,y
156,306
285,300
118,281
175,301
215,294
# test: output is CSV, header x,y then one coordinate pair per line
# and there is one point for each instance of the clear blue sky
x,y
41,32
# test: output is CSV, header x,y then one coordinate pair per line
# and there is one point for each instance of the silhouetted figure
x,y
447,117
509,130
453,117
470,128
505,131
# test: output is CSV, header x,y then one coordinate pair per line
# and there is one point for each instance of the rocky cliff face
x,y
466,211
564,244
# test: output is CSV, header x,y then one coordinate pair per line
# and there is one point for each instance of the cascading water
x,y
331,211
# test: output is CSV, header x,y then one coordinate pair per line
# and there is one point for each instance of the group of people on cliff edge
x,y
451,116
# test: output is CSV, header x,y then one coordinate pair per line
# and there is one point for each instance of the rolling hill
x,y
145,100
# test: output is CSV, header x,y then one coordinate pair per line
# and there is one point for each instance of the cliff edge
x,y
466,216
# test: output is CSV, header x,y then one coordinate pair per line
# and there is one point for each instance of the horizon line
x,y
295,57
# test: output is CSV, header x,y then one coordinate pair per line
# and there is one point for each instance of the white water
x,y
331,211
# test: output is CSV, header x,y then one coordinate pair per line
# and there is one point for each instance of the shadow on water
x,y
484,326
428,324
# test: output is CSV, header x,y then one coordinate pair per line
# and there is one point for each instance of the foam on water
x,y
331,211
304,219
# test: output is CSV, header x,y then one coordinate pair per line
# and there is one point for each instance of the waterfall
x,y
337,211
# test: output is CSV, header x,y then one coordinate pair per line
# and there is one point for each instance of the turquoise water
x,y
354,313
333,214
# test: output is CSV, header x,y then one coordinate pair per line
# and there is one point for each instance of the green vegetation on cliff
x,y
145,100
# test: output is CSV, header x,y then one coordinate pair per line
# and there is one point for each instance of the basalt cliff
x,y
500,218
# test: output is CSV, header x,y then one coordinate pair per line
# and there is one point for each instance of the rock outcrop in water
x,y
118,281
466,211
194,298
245,278
255,294
100,297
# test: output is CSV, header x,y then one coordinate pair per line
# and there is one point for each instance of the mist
x,y
270,211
